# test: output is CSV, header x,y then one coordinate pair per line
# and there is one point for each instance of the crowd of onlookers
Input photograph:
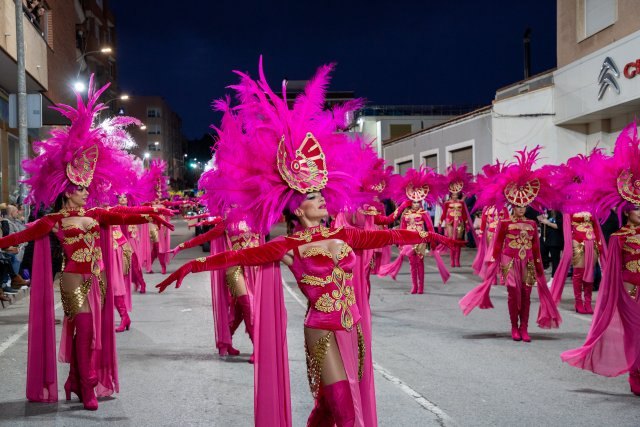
x,y
15,261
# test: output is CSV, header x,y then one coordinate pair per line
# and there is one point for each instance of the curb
x,y
22,293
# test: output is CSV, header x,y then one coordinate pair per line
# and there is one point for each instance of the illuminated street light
x,y
105,50
193,165
156,143
186,155
147,155
143,127
124,97
79,87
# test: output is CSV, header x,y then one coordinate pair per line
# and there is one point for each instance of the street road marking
x,y
15,337
443,419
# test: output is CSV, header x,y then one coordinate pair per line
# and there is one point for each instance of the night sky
x,y
389,52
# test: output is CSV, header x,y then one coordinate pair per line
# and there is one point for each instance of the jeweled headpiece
x,y
423,184
81,154
519,184
458,178
269,155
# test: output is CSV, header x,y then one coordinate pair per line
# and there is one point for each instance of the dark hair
x,y
60,202
290,219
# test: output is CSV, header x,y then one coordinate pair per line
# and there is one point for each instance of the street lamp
x,y
79,86
103,50
143,127
147,155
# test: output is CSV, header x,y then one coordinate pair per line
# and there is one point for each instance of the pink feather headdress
x,y
486,191
379,179
458,179
269,155
422,184
81,154
614,182
570,195
519,184
153,179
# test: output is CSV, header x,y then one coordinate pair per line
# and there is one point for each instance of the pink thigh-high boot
x,y
84,355
155,251
72,385
245,307
420,267
321,413
340,402
136,274
525,305
413,264
512,303
634,380
576,280
588,291
125,320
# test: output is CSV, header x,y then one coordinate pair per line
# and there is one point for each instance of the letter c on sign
x,y
631,70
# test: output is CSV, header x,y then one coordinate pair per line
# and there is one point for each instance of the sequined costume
x,y
489,221
325,278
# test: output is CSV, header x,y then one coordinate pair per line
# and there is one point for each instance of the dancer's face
x,y
415,205
78,198
122,199
518,211
313,208
634,216
455,196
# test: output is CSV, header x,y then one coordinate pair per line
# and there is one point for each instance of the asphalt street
x,y
434,367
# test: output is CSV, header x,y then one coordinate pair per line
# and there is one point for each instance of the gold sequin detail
x,y
315,280
201,259
315,359
530,277
344,251
232,277
316,250
307,234
362,352
340,299
633,292
633,266
87,237
505,269
521,241
73,301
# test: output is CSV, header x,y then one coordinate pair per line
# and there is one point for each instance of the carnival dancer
x,y
132,233
516,248
160,237
584,242
73,169
314,176
417,187
489,219
612,346
455,214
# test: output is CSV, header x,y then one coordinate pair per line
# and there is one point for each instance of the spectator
x,y
551,239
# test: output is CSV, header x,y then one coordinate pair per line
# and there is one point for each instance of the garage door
x,y
463,155
404,167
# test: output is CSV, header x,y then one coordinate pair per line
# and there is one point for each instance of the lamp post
x,y
103,50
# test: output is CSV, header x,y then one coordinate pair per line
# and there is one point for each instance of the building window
x,y
153,112
154,146
403,167
431,161
462,156
595,15
153,129
398,130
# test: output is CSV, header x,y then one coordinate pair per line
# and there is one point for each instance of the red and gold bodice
x,y
326,280
517,239
582,227
491,217
241,237
454,211
82,253
118,237
414,219
132,232
630,244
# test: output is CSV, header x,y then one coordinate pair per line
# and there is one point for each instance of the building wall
x,y
474,132
376,129
61,55
571,45
35,45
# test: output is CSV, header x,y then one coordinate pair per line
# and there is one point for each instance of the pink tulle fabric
x,y
418,178
612,346
220,299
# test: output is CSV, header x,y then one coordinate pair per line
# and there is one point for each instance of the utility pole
x,y
22,95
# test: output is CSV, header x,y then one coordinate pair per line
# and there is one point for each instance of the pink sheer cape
x,y
612,346
272,393
144,254
220,298
562,271
164,244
